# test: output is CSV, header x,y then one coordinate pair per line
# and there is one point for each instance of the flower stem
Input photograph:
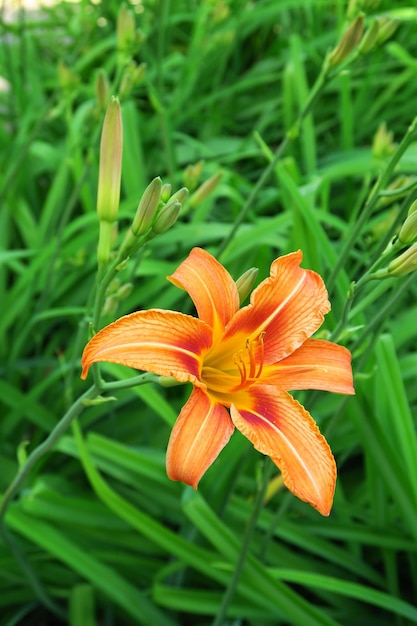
x,y
246,543
14,487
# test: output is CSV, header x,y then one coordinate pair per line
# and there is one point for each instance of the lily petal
x,y
281,428
200,433
317,364
163,342
288,307
211,288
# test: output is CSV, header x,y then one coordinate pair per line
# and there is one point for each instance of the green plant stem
x,y
43,448
246,543
315,92
382,182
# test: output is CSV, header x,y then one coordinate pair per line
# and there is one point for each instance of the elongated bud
x,y
205,189
109,177
246,282
383,142
166,192
405,263
167,217
132,75
192,174
102,89
181,195
110,306
408,232
370,38
348,42
147,208
387,28
124,291
125,29
110,171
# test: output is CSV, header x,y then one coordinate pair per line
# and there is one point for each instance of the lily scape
x,y
241,362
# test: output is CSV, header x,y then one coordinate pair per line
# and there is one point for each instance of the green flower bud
x,y
124,291
387,28
110,170
405,263
126,28
166,192
132,75
110,306
205,189
408,232
383,142
246,282
370,38
348,42
192,174
167,217
102,89
147,208
181,195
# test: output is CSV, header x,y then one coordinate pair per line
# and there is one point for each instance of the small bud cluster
x,y
157,211
406,262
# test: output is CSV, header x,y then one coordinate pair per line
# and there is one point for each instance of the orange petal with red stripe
x,y
281,428
317,364
288,307
163,342
200,433
211,288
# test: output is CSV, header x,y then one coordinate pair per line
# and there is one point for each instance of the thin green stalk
x,y
14,488
246,543
44,448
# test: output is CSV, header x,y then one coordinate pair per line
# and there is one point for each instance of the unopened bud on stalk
x,y
124,291
246,282
126,28
192,174
110,306
102,89
147,208
109,177
348,42
408,232
405,263
167,217
387,28
110,170
166,192
205,189
370,38
132,75
181,195
383,142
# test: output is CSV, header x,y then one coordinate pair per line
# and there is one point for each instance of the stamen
x,y
251,352
238,361
262,355
255,355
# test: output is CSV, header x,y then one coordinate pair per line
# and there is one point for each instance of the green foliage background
x,y
98,534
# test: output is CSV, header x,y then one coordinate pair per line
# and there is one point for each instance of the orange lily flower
x,y
244,360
